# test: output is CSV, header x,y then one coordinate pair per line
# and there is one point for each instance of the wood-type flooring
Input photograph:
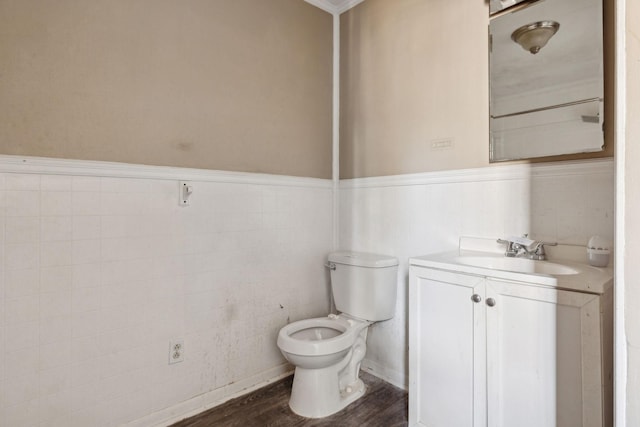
x,y
383,405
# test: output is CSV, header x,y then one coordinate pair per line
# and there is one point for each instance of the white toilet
x,y
327,351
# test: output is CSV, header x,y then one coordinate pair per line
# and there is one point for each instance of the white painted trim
x,y
489,173
620,336
328,6
335,177
395,378
50,166
324,5
348,5
211,399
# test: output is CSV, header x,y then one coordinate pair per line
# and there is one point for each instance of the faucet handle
x,y
538,252
512,247
539,246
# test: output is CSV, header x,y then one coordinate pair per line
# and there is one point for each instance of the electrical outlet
x,y
176,351
442,144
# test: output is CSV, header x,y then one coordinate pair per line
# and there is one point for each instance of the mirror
x,y
496,6
549,102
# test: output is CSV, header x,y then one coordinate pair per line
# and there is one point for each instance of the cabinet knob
x,y
491,302
476,298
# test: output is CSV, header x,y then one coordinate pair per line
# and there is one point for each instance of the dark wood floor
x,y
383,405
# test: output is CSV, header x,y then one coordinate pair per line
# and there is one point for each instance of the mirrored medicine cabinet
x,y
546,78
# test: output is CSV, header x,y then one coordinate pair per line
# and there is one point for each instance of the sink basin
x,y
519,265
478,257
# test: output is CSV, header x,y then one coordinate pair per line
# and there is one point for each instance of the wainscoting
x,y
411,215
101,268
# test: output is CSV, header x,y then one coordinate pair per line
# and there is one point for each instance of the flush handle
x,y
476,298
491,302
330,266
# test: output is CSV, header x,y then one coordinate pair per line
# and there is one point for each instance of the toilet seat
x,y
320,335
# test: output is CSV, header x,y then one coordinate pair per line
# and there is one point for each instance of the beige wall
x,y
242,85
632,212
414,72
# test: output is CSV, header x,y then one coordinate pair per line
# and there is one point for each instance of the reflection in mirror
x,y
546,80
496,6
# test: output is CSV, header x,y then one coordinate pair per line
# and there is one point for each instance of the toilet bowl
x,y
316,343
327,352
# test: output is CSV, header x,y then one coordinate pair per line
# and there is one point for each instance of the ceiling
x,y
335,6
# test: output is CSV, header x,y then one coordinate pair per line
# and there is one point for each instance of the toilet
x,y
327,351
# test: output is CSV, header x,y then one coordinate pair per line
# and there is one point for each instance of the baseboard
x,y
395,378
206,401
213,398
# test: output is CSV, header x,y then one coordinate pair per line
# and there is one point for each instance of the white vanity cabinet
x,y
500,353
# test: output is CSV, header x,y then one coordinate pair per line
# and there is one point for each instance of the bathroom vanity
x,y
496,341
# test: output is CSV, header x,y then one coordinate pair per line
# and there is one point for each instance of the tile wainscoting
x,y
101,268
411,215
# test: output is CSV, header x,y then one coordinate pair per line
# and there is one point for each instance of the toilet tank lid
x,y
362,259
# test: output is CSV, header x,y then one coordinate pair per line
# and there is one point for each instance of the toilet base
x,y
316,393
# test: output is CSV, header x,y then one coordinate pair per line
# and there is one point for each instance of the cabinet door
x,y
543,357
447,351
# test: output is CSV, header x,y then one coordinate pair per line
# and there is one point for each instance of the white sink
x,y
485,257
518,265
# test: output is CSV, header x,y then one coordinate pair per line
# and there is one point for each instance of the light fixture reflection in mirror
x,y
533,37
550,103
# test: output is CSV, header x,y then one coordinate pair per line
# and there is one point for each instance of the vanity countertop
x,y
557,272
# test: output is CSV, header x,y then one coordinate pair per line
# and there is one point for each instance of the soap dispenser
x,y
598,251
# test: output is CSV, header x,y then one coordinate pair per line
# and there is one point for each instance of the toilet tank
x,y
364,285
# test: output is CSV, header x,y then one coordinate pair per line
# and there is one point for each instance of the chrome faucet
x,y
517,248
513,249
537,251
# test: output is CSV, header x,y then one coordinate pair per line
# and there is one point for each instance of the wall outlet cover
x,y
176,351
